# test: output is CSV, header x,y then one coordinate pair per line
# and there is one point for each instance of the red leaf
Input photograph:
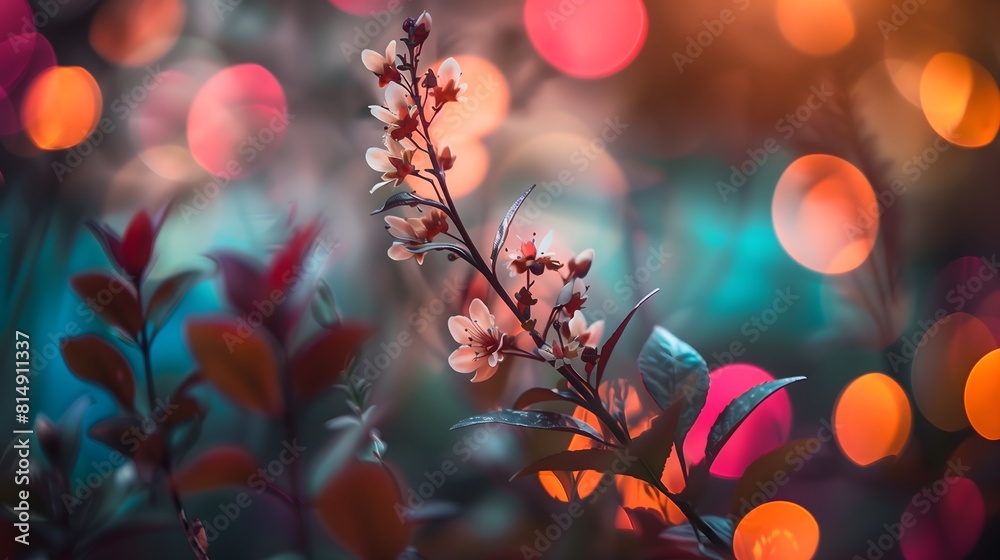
x,y
183,409
317,365
359,508
137,245
112,298
216,468
242,280
168,294
92,359
241,364
113,432
160,217
109,241
127,435
283,271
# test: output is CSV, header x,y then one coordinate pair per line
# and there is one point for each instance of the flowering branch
x,y
669,367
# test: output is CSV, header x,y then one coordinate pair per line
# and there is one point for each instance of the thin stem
x,y
582,386
479,262
165,461
295,472
688,510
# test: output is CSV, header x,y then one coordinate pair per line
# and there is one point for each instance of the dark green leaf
x,y
408,199
599,460
536,395
737,411
682,541
536,419
665,362
672,371
609,345
761,473
652,447
643,459
450,247
324,308
502,231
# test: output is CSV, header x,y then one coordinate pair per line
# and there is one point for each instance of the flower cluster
x,y
557,333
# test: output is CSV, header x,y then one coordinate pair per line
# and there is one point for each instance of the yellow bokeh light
x,y
872,419
816,27
61,107
982,393
776,531
960,100
825,214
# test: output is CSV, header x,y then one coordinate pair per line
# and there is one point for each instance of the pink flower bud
x,y
580,265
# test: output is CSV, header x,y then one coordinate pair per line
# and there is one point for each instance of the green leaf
x,y
241,364
737,411
450,247
764,471
335,454
536,419
599,460
408,199
93,359
502,231
672,371
324,307
537,395
652,446
681,541
665,362
609,345
644,458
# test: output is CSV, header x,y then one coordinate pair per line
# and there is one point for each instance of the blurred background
x,y
811,184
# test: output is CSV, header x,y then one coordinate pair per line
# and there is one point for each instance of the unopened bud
x,y
447,158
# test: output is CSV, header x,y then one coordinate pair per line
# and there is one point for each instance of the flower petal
x,y
458,326
577,325
373,61
379,186
594,334
390,52
383,114
400,228
396,98
378,159
464,360
479,313
397,252
484,373
449,71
